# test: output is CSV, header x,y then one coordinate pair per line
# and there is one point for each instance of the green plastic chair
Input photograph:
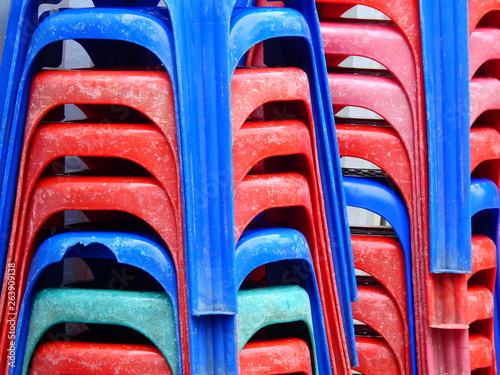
x,y
262,307
149,313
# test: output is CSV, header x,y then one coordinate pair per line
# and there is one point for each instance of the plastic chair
x,y
371,143
484,145
137,310
383,95
482,42
130,249
341,40
93,193
376,197
483,96
481,352
372,251
259,308
247,28
478,9
376,357
285,251
66,358
285,356
378,310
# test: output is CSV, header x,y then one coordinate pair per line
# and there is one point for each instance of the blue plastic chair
x,y
254,25
285,252
129,249
378,198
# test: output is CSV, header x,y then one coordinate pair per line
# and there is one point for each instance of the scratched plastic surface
x,y
82,358
135,250
258,308
149,313
285,356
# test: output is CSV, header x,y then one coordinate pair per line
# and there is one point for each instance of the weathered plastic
x,y
284,356
376,357
285,252
56,194
378,198
149,313
130,249
262,307
378,310
82,358
371,143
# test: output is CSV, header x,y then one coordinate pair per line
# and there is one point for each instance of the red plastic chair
x,y
341,40
481,352
370,252
372,143
82,358
376,357
378,310
256,141
478,9
480,301
405,14
142,197
268,85
483,96
284,356
142,144
483,47
382,95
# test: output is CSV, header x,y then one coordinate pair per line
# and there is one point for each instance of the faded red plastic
x,y
383,258
478,9
376,357
480,303
81,358
481,352
372,143
250,89
382,95
389,324
150,93
483,47
342,40
284,356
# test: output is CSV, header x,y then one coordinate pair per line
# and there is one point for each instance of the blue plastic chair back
x,y
378,198
128,249
266,247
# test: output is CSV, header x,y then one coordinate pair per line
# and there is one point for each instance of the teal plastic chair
x,y
262,307
140,311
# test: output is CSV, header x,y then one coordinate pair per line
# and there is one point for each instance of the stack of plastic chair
x,y
131,179
484,164
393,144
277,183
184,128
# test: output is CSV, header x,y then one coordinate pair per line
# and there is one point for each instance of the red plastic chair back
x,y
372,143
376,357
81,358
377,309
284,356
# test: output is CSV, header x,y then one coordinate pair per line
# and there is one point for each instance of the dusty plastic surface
x,y
258,308
137,310
130,249
376,357
82,358
285,356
